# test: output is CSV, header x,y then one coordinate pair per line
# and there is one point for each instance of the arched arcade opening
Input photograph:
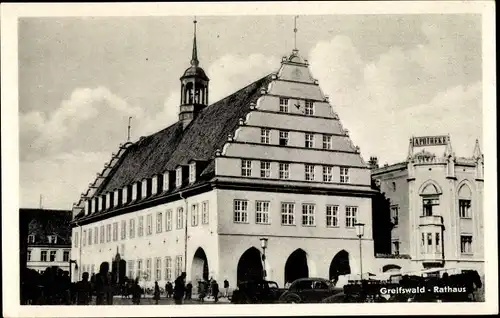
x,y
339,265
296,266
249,265
199,268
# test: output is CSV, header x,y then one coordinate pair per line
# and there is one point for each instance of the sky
x,y
389,77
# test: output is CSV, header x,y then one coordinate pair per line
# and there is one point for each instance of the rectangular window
x,y
115,231
178,265
351,214
308,214
101,231
284,171
66,256
395,247
31,239
75,239
53,256
466,244
429,246
90,236
344,175
43,256
159,222
327,173
148,269
265,169
287,214
204,212
123,230
149,224
309,110
131,270
283,138
309,140
131,231
96,235
168,220
139,274
84,237
180,218
327,142
265,135
438,243
108,232
262,212
168,269
158,269
309,172
332,216
28,255
240,211
140,230
246,168
464,208
283,105
194,215
395,215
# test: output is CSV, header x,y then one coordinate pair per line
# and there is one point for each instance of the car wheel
x,y
292,299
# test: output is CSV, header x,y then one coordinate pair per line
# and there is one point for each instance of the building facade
x,y
47,242
435,205
270,161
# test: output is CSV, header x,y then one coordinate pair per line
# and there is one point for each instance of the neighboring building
x,y
271,160
435,202
47,238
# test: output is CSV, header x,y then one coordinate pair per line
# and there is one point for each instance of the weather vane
x,y
295,31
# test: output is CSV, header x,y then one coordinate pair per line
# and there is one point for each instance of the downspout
x,y
185,231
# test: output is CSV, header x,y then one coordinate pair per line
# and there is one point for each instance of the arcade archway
x,y
199,268
391,268
339,265
249,265
296,266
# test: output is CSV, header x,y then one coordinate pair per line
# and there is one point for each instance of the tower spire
x,y
477,150
194,58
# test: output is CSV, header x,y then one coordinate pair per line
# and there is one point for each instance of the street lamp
x,y
263,244
360,231
72,261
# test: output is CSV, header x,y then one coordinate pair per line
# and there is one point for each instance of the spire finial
x,y
477,150
295,33
128,129
194,58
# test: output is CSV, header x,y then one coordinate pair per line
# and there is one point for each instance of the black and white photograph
x,y
249,158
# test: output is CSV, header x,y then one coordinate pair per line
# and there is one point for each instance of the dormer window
x,y
192,172
52,239
144,188
135,187
108,200
88,207
103,202
97,207
125,194
166,181
116,199
31,239
154,185
178,177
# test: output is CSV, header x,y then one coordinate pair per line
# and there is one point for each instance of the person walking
x,y
215,290
189,290
179,288
102,285
226,288
202,291
156,296
136,292
83,290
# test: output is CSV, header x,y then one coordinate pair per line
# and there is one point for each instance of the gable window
x,y
287,213
309,172
53,256
101,231
283,138
466,244
140,230
395,215
131,229
265,169
332,216
262,212
464,208
308,214
265,135
246,168
178,177
168,220
309,140
123,230
283,105
284,171
327,173
240,211
194,215
204,212
327,142
351,213
66,256
192,172
344,175
96,235
159,222
180,218
149,224
43,256
309,109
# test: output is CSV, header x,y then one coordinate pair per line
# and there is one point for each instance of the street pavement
x,y
148,300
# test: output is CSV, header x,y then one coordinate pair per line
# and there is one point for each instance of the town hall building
x,y
270,161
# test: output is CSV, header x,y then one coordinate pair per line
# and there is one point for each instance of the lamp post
x,y
263,244
72,261
360,231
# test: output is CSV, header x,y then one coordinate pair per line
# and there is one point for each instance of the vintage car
x,y
256,292
309,290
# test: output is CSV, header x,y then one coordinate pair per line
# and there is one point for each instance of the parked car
x,y
256,292
309,290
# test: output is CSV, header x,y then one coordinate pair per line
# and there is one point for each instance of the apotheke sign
x,y
430,141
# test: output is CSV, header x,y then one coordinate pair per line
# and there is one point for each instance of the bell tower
x,y
194,88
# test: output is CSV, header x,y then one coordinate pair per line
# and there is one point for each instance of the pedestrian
x,y
170,289
156,296
179,288
136,292
202,290
215,290
189,290
226,288
103,286
83,290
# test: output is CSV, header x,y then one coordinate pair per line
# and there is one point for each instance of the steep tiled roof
x,y
174,146
43,222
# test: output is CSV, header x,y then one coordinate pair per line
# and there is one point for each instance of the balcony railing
x,y
431,220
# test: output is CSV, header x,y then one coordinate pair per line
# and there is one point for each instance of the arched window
x,y
430,198
464,202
